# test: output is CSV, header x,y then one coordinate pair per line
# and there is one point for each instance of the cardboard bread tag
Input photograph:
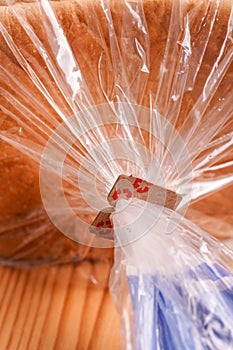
x,y
127,187
102,225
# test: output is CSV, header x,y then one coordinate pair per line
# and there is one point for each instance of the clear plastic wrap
x,y
173,285
94,89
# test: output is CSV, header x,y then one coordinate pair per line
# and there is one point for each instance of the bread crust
x,y
19,187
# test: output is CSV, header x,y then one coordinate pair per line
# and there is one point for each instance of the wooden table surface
x,y
61,307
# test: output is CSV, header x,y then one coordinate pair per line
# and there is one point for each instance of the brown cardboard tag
x,y
102,225
127,187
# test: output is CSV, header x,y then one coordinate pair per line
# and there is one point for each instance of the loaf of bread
x,y
172,55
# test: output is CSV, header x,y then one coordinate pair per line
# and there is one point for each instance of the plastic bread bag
x,y
171,282
94,89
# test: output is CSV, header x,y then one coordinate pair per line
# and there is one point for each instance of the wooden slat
x,y
55,308
20,319
94,302
74,308
13,306
60,307
9,294
43,307
5,275
35,287
106,332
